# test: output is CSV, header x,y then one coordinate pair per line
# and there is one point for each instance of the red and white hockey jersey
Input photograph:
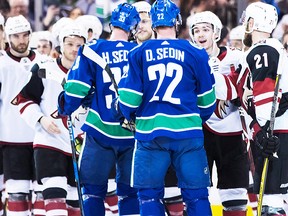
x,y
225,119
40,98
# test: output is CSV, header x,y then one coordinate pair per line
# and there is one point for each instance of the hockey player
x,y
265,60
236,36
172,200
16,136
223,130
168,90
43,42
144,30
52,149
106,142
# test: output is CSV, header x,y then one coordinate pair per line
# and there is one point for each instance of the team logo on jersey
x,y
26,62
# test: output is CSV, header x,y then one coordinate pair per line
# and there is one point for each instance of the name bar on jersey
x,y
166,52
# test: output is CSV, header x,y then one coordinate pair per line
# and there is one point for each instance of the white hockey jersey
x,y
14,74
40,98
225,120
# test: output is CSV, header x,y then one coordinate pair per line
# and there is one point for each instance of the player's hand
x,y
87,100
49,125
116,112
128,125
267,143
247,94
61,102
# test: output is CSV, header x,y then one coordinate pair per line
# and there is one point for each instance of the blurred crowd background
x,y
42,14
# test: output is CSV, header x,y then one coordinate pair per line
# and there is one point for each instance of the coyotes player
x,y
52,148
16,136
222,132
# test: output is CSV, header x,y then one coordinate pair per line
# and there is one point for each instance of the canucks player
x,y
106,142
169,91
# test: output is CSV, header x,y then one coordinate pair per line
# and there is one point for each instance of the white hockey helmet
x,y
206,17
74,29
41,35
237,33
142,6
17,24
265,17
91,22
2,21
58,26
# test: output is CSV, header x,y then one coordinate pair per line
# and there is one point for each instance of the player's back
x,y
115,55
175,67
171,74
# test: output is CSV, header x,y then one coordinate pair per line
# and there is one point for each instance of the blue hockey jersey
x,y
87,73
169,88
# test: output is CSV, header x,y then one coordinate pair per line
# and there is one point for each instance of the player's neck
x,y
119,34
66,63
166,33
258,36
214,51
20,55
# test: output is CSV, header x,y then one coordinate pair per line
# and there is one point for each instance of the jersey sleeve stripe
x,y
130,98
76,88
206,99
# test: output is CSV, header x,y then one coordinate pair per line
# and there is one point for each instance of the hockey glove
x,y
251,107
87,100
61,103
267,143
117,114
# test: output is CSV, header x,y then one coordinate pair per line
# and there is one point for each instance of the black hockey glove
x,y
118,115
267,143
87,100
251,107
61,112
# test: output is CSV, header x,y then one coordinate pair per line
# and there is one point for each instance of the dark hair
x,y
224,33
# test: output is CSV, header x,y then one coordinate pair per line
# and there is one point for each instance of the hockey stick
x,y
266,160
95,57
75,164
246,139
42,73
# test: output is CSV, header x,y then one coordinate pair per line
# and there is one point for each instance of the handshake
x,y
116,112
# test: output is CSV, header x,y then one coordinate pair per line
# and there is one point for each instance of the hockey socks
x,y
18,204
38,205
174,205
111,202
234,213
